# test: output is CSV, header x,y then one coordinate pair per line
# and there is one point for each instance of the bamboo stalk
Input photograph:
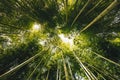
x,y
100,71
20,65
46,60
88,74
100,74
107,59
80,12
103,13
95,78
37,76
82,66
35,69
57,72
47,75
70,71
87,71
89,78
66,8
22,3
65,68
93,7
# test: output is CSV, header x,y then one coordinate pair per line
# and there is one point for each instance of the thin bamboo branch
x,y
80,12
103,13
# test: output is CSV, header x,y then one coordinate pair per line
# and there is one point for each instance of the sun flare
x,y
66,40
36,27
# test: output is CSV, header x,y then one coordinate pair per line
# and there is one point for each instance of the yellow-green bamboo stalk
x,y
89,78
65,68
103,13
80,12
20,65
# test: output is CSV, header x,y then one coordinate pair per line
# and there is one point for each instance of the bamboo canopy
x,y
59,40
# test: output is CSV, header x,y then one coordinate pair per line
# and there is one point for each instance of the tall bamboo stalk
x,y
65,68
83,8
87,72
70,70
93,7
107,59
66,10
20,65
47,75
35,69
101,71
103,13
57,72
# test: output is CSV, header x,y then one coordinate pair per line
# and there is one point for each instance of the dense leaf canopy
x,y
59,40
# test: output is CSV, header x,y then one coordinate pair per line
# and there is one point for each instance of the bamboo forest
x,y
59,39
